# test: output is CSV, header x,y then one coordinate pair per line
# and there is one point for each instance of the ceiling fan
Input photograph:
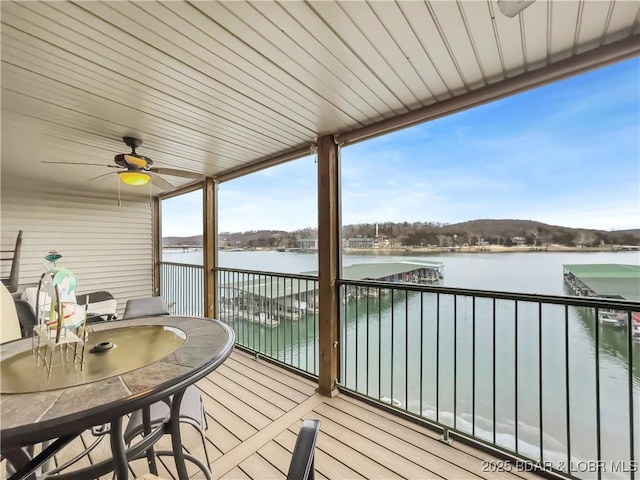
x,y
136,169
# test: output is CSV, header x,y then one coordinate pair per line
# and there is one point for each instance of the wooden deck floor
x,y
254,410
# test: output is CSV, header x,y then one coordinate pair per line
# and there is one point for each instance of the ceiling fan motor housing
x,y
132,142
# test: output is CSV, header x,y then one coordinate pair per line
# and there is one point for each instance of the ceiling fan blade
x,y
176,173
162,183
100,176
77,163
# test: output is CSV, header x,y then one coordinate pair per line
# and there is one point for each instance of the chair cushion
x,y
10,328
145,307
44,302
191,412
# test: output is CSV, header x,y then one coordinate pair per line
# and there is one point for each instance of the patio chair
x,y
145,307
26,317
13,256
192,406
10,326
101,306
302,460
191,413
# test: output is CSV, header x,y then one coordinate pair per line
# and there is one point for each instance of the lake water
x,y
526,272
398,342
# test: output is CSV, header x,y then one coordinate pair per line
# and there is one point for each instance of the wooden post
x,y
157,245
328,263
210,244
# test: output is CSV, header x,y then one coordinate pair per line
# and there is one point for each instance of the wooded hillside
x,y
474,232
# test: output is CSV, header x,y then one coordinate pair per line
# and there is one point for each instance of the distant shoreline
x,y
486,249
427,250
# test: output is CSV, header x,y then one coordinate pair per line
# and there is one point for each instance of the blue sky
x,y
565,154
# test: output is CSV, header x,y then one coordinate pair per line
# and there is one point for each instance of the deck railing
x,y
536,376
182,286
552,380
273,314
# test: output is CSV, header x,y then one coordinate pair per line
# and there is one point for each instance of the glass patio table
x,y
154,358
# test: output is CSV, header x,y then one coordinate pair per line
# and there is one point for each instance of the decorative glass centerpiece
x,y
61,321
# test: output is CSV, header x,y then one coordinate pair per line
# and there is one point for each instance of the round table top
x,y
28,418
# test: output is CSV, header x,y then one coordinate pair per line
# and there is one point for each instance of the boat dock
x,y
419,272
268,299
608,280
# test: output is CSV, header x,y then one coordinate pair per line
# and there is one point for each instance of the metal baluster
x,y
345,342
455,360
236,321
406,349
421,349
540,399
252,314
473,366
271,315
299,311
379,349
393,331
437,357
598,436
245,326
367,342
516,372
315,322
288,313
630,380
355,376
493,367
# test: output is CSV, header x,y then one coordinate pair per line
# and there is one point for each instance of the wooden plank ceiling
x,y
214,86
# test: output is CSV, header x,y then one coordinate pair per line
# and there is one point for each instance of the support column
x,y
210,244
328,263
157,245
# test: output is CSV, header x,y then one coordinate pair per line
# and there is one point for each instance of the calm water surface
x,y
407,327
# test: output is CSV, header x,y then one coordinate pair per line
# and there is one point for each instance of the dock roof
x,y
609,279
375,271
273,287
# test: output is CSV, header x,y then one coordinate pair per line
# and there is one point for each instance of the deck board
x,y
412,444
263,400
227,418
254,411
284,398
221,438
257,467
240,405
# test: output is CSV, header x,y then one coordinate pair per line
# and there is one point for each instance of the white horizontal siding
x,y
108,247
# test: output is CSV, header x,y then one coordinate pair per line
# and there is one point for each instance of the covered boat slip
x,y
604,280
608,281
265,297
254,410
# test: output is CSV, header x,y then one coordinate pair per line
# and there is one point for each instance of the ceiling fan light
x,y
134,178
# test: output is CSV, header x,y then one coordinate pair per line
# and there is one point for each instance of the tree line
x,y
475,232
